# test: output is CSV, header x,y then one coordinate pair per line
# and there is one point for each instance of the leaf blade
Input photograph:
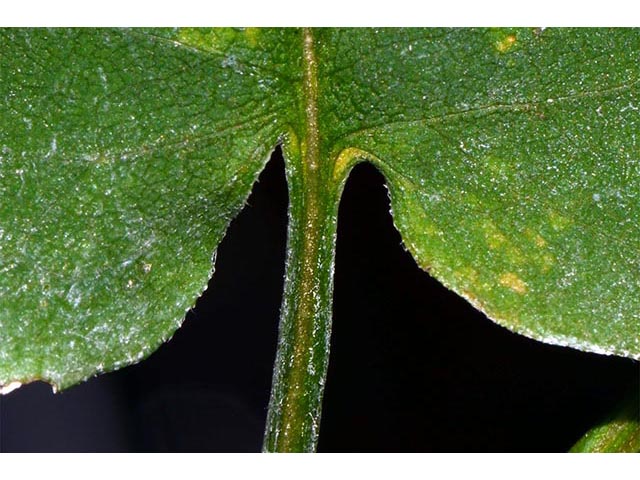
x,y
112,164
512,164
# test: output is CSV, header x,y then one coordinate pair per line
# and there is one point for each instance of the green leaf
x,y
123,157
511,159
513,166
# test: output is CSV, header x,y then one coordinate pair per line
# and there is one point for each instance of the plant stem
x,y
301,363
620,432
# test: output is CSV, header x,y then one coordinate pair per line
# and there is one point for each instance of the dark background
x,y
413,366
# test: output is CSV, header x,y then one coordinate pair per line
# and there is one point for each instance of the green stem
x,y
301,363
620,432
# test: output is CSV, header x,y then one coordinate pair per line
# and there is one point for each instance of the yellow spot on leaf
x,y
431,230
498,242
546,262
540,242
536,238
512,281
557,221
492,234
468,275
505,44
252,35
210,39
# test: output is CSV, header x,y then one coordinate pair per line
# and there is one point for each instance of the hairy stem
x,y
305,324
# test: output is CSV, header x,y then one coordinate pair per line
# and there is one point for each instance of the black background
x,y
413,367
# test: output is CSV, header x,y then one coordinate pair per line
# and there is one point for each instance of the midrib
x,y
310,90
